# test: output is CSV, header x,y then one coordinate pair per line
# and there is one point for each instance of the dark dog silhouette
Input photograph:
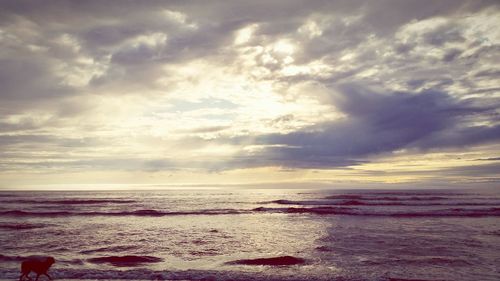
x,y
39,265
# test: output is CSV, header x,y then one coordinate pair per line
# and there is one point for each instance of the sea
x,y
254,234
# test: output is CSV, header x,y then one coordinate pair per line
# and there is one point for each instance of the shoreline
x,y
183,275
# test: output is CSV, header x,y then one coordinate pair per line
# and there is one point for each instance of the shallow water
x,y
196,234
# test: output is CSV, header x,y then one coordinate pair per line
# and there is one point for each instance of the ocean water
x,y
211,234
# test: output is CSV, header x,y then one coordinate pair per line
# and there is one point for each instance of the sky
x,y
107,94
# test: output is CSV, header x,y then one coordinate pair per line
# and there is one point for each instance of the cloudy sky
x,y
274,93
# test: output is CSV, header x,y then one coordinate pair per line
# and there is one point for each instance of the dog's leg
x,y
46,274
37,275
25,276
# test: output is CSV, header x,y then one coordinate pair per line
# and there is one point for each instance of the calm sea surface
x,y
203,234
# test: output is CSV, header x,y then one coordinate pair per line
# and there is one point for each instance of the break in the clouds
x,y
248,91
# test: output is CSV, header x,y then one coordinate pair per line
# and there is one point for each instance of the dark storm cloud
x,y
376,123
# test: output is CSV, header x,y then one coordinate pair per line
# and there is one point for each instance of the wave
x,y
324,249
125,261
414,193
6,195
72,201
492,232
354,202
315,210
404,279
109,249
16,259
275,261
145,213
344,196
4,258
455,212
403,197
441,261
21,226
18,213
319,210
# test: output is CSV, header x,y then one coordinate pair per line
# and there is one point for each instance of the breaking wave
x,y
454,212
109,249
125,261
354,202
319,210
145,213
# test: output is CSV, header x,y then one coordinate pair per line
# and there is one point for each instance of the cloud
x,y
26,81
125,85
488,159
487,171
375,123
92,164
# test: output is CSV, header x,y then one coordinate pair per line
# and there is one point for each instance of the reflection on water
x,y
353,235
